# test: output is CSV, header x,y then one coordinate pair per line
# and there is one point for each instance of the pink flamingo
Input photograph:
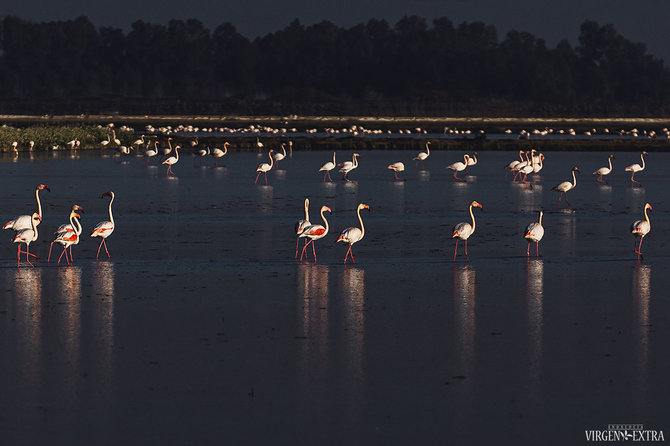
x,y
25,221
534,233
640,228
66,228
353,234
464,230
105,228
69,238
301,225
264,168
315,232
27,236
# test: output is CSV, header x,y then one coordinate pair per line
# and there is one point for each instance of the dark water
x,y
202,329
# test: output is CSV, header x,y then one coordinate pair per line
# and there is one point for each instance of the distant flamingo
x,y
604,170
68,238
472,161
534,233
634,168
264,168
139,142
280,156
25,221
353,234
539,164
423,156
566,186
27,236
464,230
165,151
348,166
105,228
172,160
200,156
301,225
218,153
509,167
640,228
459,166
117,141
150,153
66,228
315,232
330,165
105,142
397,167
123,150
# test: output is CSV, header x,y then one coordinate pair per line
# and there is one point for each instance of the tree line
x,y
372,68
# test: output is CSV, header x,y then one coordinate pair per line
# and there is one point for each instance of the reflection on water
x,y
265,197
641,322
102,320
566,229
423,175
280,174
529,196
464,310
534,297
353,294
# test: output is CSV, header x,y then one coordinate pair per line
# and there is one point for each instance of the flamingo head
x,y
107,194
612,156
43,186
356,154
76,207
325,209
476,204
37,216
648,206
363,206
226,144
542,156
576,169
645,153
272,150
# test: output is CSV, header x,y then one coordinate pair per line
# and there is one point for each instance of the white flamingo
x,y
512,164
604,170
463,230
27,236
150,153
280,156
353,234
301,225
105,228
25,221
117,141
640,228
566,186
539,164
459,166
171,161
65,229
218,153
330,165
634,168
315,232
472,161
165,151
397,167
200,155
68,238
534,233
264,168
106,142
348,166
422,156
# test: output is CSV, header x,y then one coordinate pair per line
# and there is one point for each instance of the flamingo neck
x,y
111,218
325,222
610,162
176,151
472,216
355,161
360,220
540,221
334,163
34,225
428,149
574,180
39,205
646,216
642,158
272,161
307,210
283,149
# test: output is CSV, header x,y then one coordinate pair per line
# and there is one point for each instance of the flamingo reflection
x,y
535,297
642,322
464,309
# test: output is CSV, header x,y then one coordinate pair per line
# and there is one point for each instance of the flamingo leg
x,y
99,246
71,258
304,248
466,250
297,243
566,198
18,255
528,249
537,249
455,249
61,256
329,177
28,254
257,175
105,243
266,178
352,254
347,255
50,246
632,179
314,251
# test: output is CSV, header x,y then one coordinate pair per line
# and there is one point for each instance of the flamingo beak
x,y
44,186
366,207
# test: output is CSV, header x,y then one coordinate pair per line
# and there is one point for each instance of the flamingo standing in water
x,y
301,225
27,236
422,156
171,161
66,228
105,228
512,164
348,166
149,153
330,165
634,168
353,234
464,230
459,166
472,161
640,228
534,233
68,238
604,170
264,168
315,232
165,151
280,156
397,167
566,186
218,153
25,221
200,156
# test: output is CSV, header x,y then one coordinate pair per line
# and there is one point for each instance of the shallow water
x,y
203,329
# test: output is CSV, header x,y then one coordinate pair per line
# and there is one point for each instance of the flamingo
x,y
526,169
25,221
509,167
68,238
539,164
105,142
105,228
264,168
27,236
634,168
301,225
194,142
640,228
397,167
139,142
330,165
534,233
123,150
200,155
67,229
172,160
218,153
117,141
459,166
422,156
15,146
527,162
464,230
566,186
472,161
353,234
149,153
280,156
348,166
604,170
315,232
165,151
